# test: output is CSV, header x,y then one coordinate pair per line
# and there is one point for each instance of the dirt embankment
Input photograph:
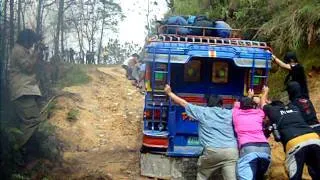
x,y
103,142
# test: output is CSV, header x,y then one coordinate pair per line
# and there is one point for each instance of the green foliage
x,y
293,27
13,135
50,108
72,76
19,177
277,80
116,53
73,115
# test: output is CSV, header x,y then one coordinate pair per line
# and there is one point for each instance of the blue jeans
x,y
254,161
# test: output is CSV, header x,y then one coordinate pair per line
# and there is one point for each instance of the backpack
x,y
307,110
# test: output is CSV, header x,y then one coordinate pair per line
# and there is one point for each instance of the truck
x,y
194,66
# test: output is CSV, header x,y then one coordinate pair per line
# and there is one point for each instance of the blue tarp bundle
x,y
177,20
224,33
224,30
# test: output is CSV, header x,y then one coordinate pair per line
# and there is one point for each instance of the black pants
x,y
309,155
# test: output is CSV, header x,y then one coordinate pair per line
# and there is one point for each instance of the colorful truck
x,y
194,66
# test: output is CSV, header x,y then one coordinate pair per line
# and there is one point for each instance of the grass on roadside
x,y
72,76
73,115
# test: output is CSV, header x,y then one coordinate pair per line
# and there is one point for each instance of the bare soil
x,y
105,139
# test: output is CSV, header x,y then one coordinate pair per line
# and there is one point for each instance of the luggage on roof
x,y
177,20
200,31
223,29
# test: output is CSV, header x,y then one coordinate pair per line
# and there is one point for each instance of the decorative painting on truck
x,y
220,72
192,71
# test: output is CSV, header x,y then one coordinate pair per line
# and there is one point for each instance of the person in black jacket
x,y
304,104
296,71
301,143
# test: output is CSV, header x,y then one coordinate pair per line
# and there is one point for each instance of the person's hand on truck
x,y
175,98
167,89
250,93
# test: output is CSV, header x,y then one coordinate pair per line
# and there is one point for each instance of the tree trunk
x,y
80,41
101,38
19,16
23,16
39,16
3,35
11,42
62,37
59,23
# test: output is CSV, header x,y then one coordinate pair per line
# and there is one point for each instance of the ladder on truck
x,y
253,70
157,100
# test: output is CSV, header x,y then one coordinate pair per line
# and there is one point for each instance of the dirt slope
x,y
104,141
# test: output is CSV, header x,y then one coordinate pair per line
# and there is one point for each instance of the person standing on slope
x,y
23,85
296,71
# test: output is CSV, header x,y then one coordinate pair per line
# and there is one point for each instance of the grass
x,y
73,115
309,57
72,76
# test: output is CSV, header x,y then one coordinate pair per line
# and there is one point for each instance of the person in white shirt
x,y
129,64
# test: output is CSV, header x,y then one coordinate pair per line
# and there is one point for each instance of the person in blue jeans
x,y
216,135
254,148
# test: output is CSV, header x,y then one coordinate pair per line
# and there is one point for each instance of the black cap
x,y
294,90
246,103
214,100
28,37
290,56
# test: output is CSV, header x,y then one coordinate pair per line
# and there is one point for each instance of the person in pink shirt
x,y
254,148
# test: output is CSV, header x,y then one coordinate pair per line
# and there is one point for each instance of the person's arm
x,y
281,63
174,97
264,97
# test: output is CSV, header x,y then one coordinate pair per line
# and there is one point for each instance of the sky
x,y
132,28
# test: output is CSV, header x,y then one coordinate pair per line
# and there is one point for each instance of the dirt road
x,y
103,142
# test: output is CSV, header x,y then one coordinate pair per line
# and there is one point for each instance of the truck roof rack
x,y
208,40
233,40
